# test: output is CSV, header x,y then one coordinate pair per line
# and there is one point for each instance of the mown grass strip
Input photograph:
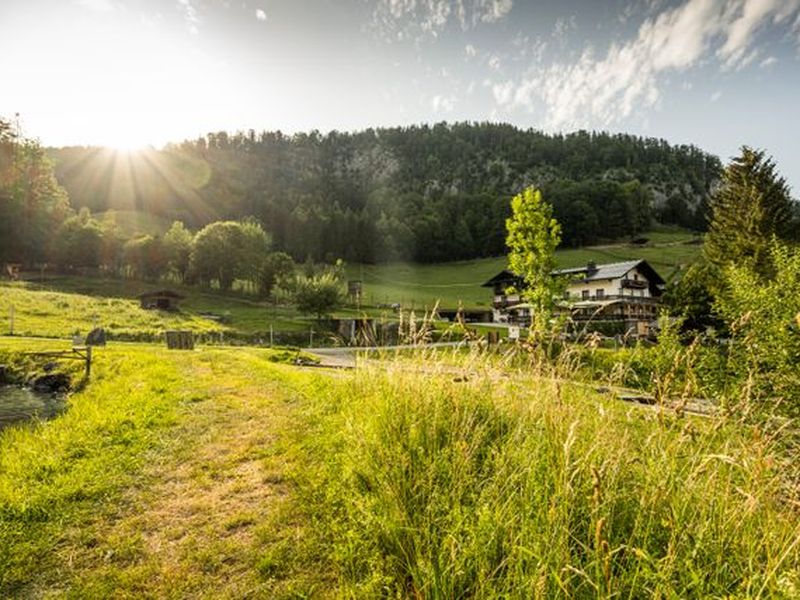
x,y
54,473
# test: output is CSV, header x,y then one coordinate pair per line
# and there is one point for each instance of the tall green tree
x,y
275,267
253,250
228,250
32,203
533,236
751,206
216,253
178,249
79,242
146,257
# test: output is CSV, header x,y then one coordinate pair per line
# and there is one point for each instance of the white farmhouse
x,y
613,298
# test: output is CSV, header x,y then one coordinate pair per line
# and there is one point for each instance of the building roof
x,y
589,272
504,276
611,271
161,294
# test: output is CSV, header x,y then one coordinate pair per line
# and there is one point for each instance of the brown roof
x,y
161,294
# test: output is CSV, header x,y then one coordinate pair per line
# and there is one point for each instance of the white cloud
x,y
715,96
190,15
415,19
768,62
601,90
752,15
494,62
470,51
503,92
562,27
443,103
490,11
261,15
98,5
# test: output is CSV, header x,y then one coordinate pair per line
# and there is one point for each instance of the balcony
x,y
599,298
502,301
634,284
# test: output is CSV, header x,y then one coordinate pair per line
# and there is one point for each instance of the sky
x,y
128,73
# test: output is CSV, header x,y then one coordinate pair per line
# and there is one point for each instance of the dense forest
x,y
423,193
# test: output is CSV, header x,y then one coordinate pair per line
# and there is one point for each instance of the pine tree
x,y
751,206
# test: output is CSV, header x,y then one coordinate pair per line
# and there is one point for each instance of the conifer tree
x,y
751,206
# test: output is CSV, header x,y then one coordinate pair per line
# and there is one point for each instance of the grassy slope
x,y
60,306
451,283
216,473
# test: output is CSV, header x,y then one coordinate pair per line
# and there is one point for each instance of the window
x,y
601,293
585,294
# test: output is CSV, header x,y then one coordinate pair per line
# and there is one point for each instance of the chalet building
x,y
613,298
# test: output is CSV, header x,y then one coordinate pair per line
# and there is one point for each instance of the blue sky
x,y
715,73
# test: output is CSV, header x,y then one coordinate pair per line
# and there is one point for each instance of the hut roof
x,y
161,294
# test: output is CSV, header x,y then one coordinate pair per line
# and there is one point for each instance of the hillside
x,y
451,284
423,193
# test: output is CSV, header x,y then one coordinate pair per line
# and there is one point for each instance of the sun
x,y
126,143
126,137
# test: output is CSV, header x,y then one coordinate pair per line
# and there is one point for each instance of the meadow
x,y
224,472
59,306
417,286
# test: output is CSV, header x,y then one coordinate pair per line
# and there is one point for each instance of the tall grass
x,y
433,480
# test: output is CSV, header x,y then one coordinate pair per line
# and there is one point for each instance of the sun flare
x,y
125,141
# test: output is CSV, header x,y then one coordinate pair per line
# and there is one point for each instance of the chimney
x,y
591,268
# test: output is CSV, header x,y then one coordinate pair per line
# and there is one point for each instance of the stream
x,y
20,404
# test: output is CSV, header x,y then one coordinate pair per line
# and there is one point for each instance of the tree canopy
x,y
751,206
422,193
533,236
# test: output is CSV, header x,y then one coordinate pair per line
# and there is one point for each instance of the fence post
x,y
311,338
271,339
88,361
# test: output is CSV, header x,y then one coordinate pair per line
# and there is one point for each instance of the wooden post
x,y
88,361
271,338
311,338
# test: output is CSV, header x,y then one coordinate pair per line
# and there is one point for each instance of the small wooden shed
x,y
160,300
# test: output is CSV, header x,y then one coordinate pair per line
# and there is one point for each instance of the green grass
x,y
154,483
60,306
56,473
219,473
430,482
422,286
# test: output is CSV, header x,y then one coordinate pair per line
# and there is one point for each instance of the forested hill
x,y
425,193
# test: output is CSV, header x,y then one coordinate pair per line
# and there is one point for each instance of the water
x,y
19,404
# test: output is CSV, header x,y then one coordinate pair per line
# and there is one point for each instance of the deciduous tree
x,y
533,235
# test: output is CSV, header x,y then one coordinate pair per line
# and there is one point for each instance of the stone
x,y
96,337
52,383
